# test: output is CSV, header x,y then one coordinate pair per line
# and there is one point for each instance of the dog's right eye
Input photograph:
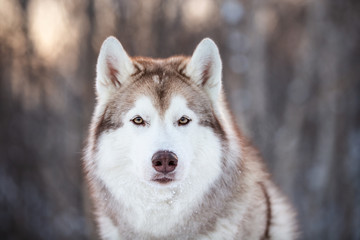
x,y
183,121
138,120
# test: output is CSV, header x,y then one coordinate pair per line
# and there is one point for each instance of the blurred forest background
x,y
291,75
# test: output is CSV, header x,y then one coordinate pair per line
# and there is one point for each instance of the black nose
x,y
164,161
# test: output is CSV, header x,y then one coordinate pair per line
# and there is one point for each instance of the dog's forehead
x,y
161,81
161,88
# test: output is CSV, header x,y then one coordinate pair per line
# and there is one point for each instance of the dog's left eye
x,y
138,120
183,121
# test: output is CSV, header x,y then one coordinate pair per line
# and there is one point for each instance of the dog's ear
x,y
205,68
113,67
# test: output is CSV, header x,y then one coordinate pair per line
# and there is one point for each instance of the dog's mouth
x,y
163,179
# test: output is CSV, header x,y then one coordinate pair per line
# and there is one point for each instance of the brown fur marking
x,y
266,235
105,123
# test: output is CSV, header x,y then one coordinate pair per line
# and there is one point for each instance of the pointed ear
x,y
113,67
205,68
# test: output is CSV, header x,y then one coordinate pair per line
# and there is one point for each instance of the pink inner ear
x,y
205,73
113,73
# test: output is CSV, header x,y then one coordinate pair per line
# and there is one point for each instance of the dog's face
x,y
155,119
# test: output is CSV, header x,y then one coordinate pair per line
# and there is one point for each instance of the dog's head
x,y
156,120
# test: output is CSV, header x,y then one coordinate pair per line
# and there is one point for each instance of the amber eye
x,y
138,120
183,121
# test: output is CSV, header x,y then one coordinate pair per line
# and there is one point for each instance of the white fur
x,y
112,55
107,229
206,57
284,216
124,159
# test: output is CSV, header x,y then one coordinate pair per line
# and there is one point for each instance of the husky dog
x,y
165,159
